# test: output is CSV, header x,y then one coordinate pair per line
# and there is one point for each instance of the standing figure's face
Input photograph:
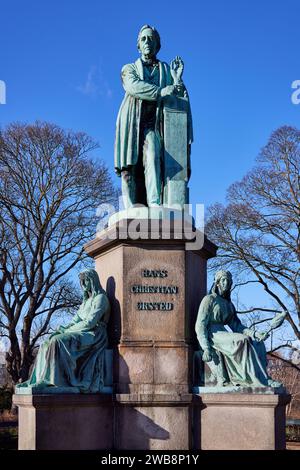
x,y
147,43
224,284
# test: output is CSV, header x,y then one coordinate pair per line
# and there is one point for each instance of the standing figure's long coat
x,y
128,120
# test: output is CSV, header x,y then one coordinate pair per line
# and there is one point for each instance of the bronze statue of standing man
x,y
139,139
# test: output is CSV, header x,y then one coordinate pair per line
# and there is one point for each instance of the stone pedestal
x,y
155,286
153,422
65,422
240,421
214,421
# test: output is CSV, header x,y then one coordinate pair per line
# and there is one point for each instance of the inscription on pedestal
x,y
155,306
158,289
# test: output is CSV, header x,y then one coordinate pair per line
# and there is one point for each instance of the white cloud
x,y
95,84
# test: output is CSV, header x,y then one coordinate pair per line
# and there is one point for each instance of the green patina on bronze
x,y
72,359
154,129
236,357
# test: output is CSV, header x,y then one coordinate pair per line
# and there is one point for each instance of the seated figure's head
x,y
90,284
222,284
148,41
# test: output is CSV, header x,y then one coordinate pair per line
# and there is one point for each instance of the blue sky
x,y
61,62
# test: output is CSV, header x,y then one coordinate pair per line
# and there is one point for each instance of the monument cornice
x,y
174,238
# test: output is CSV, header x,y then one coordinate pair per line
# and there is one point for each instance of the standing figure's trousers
x,y
148,169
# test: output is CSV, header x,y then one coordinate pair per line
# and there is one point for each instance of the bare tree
x,y
258,231
49,190
281,370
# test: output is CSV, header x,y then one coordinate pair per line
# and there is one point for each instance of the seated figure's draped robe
x,y
75,357
241,360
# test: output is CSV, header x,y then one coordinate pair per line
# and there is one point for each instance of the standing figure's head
x,y
148,42
90,284
222,284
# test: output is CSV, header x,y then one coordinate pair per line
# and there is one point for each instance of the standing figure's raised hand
x,y
177,67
